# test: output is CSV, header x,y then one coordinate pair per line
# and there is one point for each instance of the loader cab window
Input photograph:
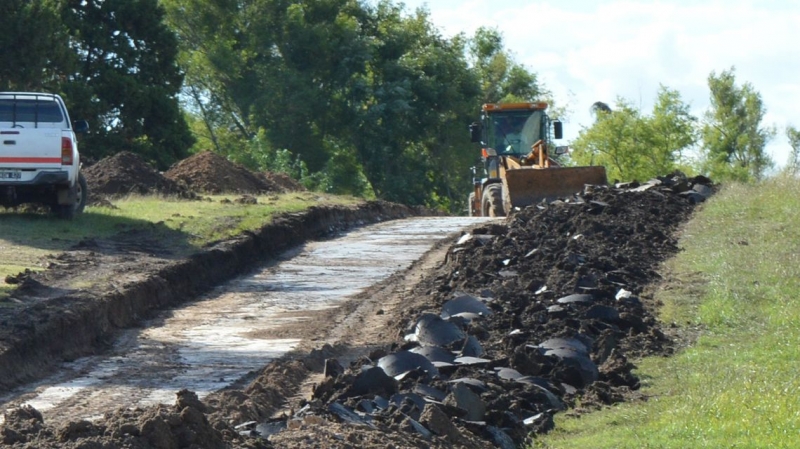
x,y
513,132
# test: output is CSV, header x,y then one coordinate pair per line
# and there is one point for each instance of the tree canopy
x,y
633,146
352,97
793,165
115,63
734,139
32,60
370,99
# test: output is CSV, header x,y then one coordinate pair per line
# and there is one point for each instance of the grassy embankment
x,y
738,281
181,226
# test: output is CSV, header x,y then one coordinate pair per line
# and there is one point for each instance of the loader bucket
x,y
528,185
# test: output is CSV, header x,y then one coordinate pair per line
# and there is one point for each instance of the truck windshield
x,y
30,110
514,132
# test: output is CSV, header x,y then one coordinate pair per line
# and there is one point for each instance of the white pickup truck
x,y
39,160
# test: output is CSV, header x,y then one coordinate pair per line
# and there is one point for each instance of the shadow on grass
x,y
93,230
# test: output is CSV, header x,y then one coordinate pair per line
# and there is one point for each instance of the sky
x,y
585,51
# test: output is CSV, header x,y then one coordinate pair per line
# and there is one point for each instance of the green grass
x,y
181,226
738,281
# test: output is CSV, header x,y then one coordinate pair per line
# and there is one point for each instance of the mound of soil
x,y
180,426
211,173
126,173
284,181
527,318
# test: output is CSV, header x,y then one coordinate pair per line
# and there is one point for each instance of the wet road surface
x,y
239,327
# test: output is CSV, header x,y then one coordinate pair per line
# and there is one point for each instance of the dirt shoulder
x,y
51,318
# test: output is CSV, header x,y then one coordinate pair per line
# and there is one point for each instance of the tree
x,y
615,141
126,80
33,45
674,131
733,138
633,146
411,135
793,166
353,90
502,79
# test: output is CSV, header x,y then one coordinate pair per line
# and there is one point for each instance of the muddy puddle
x,y
236,329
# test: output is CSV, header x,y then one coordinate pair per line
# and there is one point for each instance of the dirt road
x,y
223,337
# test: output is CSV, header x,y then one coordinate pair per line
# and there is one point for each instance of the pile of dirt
x,y
127,173
211,173
527,318
284,181
182,425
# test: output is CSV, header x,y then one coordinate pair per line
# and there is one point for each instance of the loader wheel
x,y
492,201
471,206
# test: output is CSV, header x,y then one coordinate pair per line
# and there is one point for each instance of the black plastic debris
x,y
366,406
400,363
477,385
373,380
434,353
587,368
472,347
412,398
602,313
471,361
576,344
348,415
409,404
465,318
265,430
381,402
428,391
463,397
508,373
427,434
333,368
247,429
552,399
500,438
702,189
434,331
576,298
557,310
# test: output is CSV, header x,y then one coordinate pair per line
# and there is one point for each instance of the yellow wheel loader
x,y
518,171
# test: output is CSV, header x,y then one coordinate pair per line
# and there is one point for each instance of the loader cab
x,y
511,129
513,132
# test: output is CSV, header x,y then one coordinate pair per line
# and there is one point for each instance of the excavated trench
x,y
237,328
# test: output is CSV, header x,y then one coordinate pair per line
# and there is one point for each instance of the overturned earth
x,y
523,318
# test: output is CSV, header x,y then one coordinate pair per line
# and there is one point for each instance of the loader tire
x,y
471,206
492,201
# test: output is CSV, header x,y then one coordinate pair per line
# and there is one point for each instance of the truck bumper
x,y
41,178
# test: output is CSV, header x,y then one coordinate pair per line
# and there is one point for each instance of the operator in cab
x,y
515,134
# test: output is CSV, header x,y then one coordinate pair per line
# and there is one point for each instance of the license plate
x,y
10,174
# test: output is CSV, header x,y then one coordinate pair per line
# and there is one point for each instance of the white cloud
x,y
585,51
